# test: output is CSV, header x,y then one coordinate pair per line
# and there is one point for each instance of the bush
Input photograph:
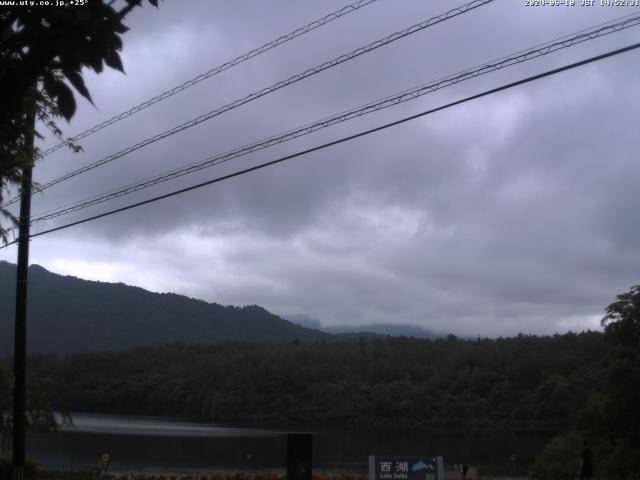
x,y
559,460
6,467
618,461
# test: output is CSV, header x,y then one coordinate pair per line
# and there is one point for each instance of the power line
x,y
342,140
519,57
283,83
214,71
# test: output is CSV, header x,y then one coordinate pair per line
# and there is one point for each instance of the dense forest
x,y
528,382
560,384
573,385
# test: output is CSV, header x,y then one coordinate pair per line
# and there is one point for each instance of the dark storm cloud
x,y
511,213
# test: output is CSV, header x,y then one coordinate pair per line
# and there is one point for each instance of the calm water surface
x,y
160,444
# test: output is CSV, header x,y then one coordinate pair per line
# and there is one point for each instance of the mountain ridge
x,y
368,329
67,314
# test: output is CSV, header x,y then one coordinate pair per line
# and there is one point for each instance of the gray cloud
x,y
512,213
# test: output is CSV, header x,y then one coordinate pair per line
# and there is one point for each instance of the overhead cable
x,y
516,58
277,86
214,71
341,140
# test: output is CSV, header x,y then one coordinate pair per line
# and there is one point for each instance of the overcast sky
x,y
513,213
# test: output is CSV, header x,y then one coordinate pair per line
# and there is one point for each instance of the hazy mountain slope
x,y
372,330
395,330
68,314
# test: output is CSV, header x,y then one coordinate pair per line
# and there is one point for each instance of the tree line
x,y
576,386
521,383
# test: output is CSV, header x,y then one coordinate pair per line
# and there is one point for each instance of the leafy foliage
x,y
622,330
6,467
622,321
559,460
43,50
39,413
610,418
396,383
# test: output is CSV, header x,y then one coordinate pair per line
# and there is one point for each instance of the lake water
x,y
160,444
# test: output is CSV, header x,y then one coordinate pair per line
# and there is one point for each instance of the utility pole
x,y
20,335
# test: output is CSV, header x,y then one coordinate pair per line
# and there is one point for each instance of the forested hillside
x,y
69,314
528,382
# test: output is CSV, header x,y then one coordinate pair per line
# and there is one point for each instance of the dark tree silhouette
x,y
622,320
40,409
42,51
622,329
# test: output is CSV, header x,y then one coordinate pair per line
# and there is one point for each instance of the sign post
x,y
105,463
406,468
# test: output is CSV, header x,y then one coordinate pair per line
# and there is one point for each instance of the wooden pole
x,y
20,335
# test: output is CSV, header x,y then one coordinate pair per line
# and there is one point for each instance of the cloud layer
x,y
511,213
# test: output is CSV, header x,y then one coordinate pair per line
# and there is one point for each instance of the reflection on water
x,y
156,444
129,425
160,444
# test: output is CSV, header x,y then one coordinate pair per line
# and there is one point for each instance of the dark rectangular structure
x,y
299,456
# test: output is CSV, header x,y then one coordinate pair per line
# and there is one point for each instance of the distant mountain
x,y
305,321
69,314
367,330
394,330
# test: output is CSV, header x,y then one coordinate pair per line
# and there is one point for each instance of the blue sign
x,y
406,468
